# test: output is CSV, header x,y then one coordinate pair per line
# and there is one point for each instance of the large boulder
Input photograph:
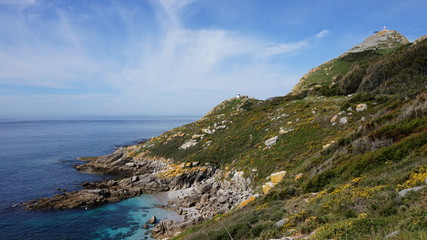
x,y
152,220
277,177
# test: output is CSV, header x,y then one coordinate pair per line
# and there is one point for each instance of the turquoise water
x,y
37,154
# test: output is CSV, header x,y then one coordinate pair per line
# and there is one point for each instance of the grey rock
x,y
188,144
281,222
343,120
213,192
225,208
223,199
163,227
134,179
205,187
271,141
406,191
393,234
198,206
130,164
381,40
204,198
152,220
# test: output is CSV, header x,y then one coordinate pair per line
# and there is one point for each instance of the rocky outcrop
x,y
381,40
123,163
327,74
144,176
207,198
188,144
420,39
168,228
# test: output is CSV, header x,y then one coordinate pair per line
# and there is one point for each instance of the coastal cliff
x,y
344,156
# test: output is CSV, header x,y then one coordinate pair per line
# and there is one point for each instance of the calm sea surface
x,y
36,157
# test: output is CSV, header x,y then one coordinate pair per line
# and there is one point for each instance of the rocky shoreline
x,y
211,196
196,192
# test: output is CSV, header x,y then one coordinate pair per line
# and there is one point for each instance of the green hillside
x,y
351,137
386,71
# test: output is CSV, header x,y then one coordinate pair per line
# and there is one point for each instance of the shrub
x,y
361,227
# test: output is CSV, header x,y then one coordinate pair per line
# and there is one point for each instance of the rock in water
x,y
152,220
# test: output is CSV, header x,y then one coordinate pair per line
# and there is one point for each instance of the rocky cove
x,y
196,192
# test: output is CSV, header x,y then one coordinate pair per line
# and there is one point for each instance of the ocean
x,y
37,154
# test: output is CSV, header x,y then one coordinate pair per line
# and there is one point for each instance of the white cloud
x,y
171,8
19,3
37,53
174,6
173,69
182,59
322,33
282,48
206,60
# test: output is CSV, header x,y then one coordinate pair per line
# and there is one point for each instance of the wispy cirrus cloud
x,y
323,33
18,2
43,52
206,59
283,48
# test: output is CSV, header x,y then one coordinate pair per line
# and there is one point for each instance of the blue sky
x,y
175,57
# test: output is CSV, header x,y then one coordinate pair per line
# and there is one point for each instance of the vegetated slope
x,y
347,157
382,70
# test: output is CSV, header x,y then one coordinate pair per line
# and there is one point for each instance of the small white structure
x,y
238,95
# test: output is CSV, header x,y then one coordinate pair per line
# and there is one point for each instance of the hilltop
x,y
377,65
384,39
343,156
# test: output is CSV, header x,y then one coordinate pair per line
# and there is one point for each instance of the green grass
x,y
383,150
87,158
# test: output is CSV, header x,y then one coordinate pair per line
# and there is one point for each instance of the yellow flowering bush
x,y
418,176
346,195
